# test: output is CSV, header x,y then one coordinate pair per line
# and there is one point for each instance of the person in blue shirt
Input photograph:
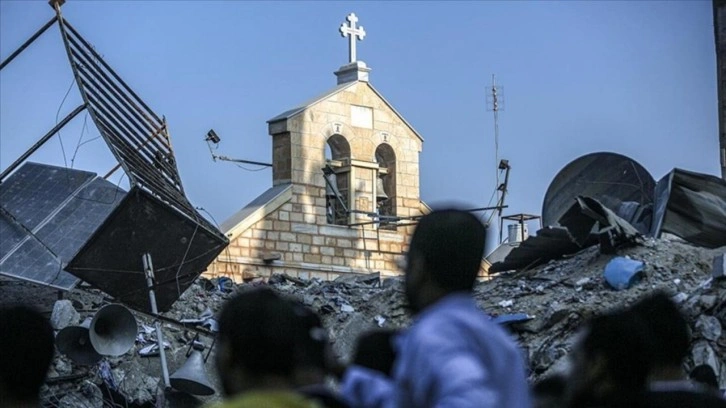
x,y
453,355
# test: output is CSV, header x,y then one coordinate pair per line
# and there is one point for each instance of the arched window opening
x,y
386,182
337,150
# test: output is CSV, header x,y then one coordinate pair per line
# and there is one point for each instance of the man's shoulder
x,y
457,318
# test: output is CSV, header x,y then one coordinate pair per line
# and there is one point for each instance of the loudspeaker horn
x,y
192,377
113,330
75,342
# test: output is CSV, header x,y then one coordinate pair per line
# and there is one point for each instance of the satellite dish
x,y
613,179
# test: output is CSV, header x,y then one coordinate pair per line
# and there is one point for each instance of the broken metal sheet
x,y
613,179
692,206
549,243
180,250
587,213
581,227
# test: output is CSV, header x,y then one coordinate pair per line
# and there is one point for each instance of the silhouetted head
x,y
704,374
609,363
26,351
375,350
258,332
444,256
669,336
549,392
312,349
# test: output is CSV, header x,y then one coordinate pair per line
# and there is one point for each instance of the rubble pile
x,y
542,307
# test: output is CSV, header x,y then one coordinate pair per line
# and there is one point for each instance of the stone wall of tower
x,y
298,232
309,131
307,246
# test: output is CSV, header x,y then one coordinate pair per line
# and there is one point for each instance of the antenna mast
x,y
495,103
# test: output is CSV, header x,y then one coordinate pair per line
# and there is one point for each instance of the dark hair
x,y
550,386
668,330
617,338
451,243
375,350
705,375
312,337
260,327
26,351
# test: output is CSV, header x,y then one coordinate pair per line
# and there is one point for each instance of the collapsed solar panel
x,y
55,221
616,181
47,214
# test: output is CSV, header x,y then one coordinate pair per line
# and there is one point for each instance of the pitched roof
x,y
257,209
310,102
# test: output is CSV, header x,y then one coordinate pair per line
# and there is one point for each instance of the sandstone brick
x,y
294,247
283,216
282,225
312,258
288,236
309,228
327,251
281,246
318,240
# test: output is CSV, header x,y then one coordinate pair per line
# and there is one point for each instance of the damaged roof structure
x,y
611,200
65,225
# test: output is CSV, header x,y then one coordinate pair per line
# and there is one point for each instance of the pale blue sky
x,y
636,78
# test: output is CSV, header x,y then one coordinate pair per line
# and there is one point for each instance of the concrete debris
x,y
709,327
543,308
64,315
703,353
133,382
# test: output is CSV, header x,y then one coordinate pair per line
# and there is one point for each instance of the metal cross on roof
x,y
351,32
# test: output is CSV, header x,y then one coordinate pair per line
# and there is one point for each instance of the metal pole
x,y
225,158
42,140
27,43
149,272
